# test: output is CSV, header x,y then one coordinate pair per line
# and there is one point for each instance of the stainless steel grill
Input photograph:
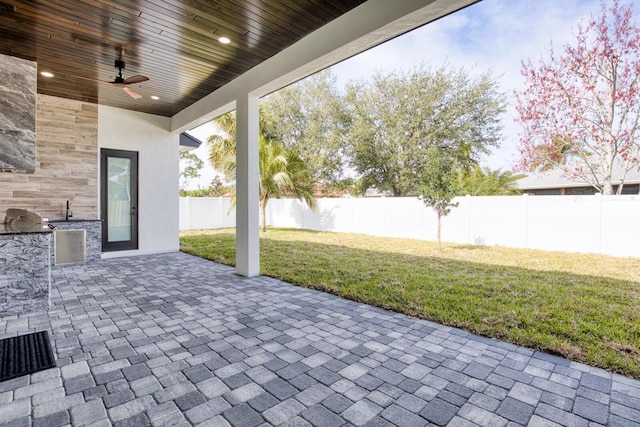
x,y
22,220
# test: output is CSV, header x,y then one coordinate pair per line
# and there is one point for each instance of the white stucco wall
x,y
158,172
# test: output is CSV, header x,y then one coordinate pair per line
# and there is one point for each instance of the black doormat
x,y
25,354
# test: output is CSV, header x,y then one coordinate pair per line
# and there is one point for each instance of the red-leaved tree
x,y
581,110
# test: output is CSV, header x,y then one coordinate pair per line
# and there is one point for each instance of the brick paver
x,y
173,340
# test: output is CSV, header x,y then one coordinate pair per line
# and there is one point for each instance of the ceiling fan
x,y
121,81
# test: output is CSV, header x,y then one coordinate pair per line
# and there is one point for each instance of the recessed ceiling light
x,y
224,40
155,98
46,74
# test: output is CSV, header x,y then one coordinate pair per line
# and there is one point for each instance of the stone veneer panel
x,y
25,273
66,163
18,80
94,236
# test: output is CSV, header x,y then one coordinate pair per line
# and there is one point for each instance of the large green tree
x,y
282,172
310,118
398,116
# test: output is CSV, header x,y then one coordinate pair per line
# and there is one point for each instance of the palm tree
x,y
282,172
486,182
222,145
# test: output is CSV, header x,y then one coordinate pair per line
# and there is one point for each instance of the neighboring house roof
x,y
374,192
188,142
555,178
321,190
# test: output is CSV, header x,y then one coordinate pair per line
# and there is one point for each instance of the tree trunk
x,y
607,164
263,213
607,188
439,242
625,169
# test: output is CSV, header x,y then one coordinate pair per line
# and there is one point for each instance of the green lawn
x,y
583,307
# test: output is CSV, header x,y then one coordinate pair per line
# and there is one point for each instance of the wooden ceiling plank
x,y
168,11
186,37
70,46
173,42
91,28
304,22
66,20
272,14
240,17
230,27
308,9
198,26
167,82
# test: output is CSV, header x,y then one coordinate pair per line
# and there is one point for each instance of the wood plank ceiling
x,y
173,42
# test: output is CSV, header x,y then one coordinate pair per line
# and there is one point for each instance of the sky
x,y
492,35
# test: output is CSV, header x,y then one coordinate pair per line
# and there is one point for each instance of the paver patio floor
x,y
170,340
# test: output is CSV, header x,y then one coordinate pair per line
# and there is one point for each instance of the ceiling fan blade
x,y
87,78
135,79
132,93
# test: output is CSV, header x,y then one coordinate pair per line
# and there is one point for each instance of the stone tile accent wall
x,y
18,79
66,163
25,273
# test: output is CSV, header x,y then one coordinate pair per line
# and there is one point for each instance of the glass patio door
x,y
119,199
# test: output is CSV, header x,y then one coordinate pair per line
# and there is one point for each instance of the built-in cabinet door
x,y
119,199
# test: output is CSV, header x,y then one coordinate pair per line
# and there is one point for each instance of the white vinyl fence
x,y
592,224
204,213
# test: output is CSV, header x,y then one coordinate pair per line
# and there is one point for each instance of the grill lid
x,y
22,220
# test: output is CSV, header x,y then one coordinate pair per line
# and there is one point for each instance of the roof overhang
x,y
365,26
188,142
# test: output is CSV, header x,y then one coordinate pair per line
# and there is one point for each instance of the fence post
x,y
526,220
599,198
467,199
384,215
220,213
350,223
187,212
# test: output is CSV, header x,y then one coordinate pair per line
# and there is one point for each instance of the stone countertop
x,y
4,231
73,220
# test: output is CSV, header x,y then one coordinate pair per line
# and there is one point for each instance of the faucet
x,y
68,214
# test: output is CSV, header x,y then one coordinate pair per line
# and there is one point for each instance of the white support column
x,y
247,177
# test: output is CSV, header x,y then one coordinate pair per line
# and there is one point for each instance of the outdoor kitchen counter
x,y
25,271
